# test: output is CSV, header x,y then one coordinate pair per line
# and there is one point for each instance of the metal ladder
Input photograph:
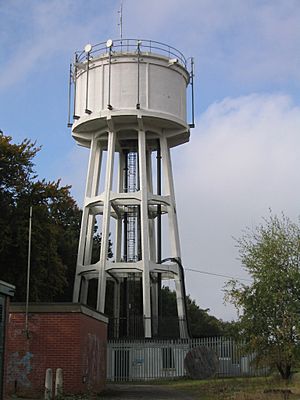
x,y
132,210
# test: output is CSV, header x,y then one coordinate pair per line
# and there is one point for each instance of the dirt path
x,y
144,392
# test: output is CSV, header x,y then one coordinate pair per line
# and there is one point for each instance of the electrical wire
x,y
215,274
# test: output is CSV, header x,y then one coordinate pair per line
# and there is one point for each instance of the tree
x,y
269,306
55,226
201,323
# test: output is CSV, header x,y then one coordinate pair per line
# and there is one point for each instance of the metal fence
x,y
142,360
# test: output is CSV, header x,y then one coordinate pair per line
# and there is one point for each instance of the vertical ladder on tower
x,y
132,214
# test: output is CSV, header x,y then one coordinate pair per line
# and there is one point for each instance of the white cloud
x,y
250,41
243,158
48,29
244,42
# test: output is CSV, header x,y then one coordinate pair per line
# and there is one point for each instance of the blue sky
x,y
244,152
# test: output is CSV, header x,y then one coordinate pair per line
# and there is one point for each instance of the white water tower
x,y
130,109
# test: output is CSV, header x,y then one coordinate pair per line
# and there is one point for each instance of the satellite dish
x,y
87,48
173,61
109,43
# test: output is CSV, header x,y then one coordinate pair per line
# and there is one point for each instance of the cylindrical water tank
x,y
130,79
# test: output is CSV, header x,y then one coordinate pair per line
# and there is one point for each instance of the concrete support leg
x,y
169,186
106,221
117,288
181,309
154,303
174,235
145,233
80,255
84,291
87,223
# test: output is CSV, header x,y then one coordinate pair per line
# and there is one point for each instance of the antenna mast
x,y
120,24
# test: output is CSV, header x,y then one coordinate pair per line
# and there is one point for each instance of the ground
x,y
146,392
263,388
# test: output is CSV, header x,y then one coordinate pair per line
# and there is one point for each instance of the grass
x,y
259,388
270,388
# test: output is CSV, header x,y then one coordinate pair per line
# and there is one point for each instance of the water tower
x,y
130,109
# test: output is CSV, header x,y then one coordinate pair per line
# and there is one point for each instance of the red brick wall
x,y
93,349
72,341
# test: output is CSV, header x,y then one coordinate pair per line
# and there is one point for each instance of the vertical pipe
x,y
109,106
69,97
159,236
87,111
158,168
192,125
125,238
75,89
138,106
28,272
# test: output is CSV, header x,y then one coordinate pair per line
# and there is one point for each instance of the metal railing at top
x,y
123,46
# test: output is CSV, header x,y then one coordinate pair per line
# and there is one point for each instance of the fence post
x,y
48,384
58,383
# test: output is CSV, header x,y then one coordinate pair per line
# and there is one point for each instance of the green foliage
x,y
269,306
55,226
97,247
200,322
16,166
245,388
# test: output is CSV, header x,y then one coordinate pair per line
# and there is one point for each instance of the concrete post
x,y
48,384
59,383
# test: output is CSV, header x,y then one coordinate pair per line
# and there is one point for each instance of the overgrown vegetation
x,y
201,323
269,306
246,388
